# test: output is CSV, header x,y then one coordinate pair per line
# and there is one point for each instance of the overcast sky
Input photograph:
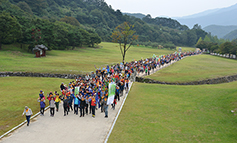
x,y
169,8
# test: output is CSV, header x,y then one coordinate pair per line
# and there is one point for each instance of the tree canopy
x,y
9,28
124,35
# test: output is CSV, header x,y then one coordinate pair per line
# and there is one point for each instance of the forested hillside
x,y
93,17
219,30
231,36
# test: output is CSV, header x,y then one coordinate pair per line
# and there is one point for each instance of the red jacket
x,y
93,102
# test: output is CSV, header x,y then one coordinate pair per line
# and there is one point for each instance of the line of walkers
x,y
90,93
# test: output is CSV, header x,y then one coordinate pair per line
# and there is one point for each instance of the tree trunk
x,y
21,46
123,59
124,52
0,46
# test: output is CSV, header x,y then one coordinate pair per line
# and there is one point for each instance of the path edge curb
x,y
21,124
111,129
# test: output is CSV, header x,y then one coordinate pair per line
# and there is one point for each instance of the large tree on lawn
x,y
124,35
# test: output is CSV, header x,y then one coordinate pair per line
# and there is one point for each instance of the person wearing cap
x,y
62,87
28,112
42,105
41,94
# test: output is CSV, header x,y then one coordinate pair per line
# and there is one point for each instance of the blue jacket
x,y
76,101
42,104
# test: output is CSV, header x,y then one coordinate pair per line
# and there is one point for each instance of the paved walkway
x,y
68,129
157,69
65,129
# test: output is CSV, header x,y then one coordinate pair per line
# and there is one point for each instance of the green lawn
x,y
197,68
72,61
162,113
18,92
186,49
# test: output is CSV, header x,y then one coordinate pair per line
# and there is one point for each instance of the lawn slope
x,y
76,61
18,92
196,68
161,113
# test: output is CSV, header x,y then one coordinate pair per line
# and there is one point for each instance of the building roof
x,y
39,47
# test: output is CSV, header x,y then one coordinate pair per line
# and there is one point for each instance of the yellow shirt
x,y
57,99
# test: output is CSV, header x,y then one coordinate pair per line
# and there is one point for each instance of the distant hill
x,y
137,15
168,22
96,16
219,31
232,35
204,13
224,16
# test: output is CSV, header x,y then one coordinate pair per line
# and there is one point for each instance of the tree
x,y
124,35
199,40
9,28
70,20
191,37
202,45
207,39
26,31
94,39
75,38
37,6
24,6
225,47
214,48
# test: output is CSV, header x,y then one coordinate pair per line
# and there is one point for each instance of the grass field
x,y
197,68
18,92
186,49
161,113
72,61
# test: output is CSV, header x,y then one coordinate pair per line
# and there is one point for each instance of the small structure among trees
x,y
40,51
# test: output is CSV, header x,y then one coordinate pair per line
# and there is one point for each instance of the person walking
x,y
41,94
76,103
82,106
65,105
117,93
101,104
93,104
105,105
52,106
87,104
57,101
114,103
28,112
42,105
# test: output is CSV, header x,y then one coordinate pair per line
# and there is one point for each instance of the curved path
x,y
65,129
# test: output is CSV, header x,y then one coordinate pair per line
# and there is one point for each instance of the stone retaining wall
x,y
29,74
225,79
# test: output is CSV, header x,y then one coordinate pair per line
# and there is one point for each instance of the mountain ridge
x,y
219,30
224,16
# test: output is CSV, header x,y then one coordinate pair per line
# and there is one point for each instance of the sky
x,y
168,8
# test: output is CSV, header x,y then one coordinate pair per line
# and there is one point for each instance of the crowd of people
x,y
90,93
